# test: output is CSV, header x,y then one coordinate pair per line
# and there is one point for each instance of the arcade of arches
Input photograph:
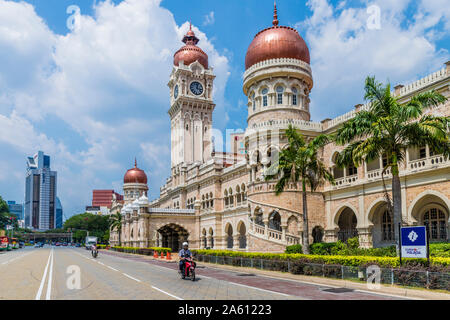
x,y
172,236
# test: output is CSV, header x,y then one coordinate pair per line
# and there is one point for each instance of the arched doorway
x,y
229,233
383,225
204,239
258,217
211,237
242,235
317,234
173,236
275,221
292,225
347,225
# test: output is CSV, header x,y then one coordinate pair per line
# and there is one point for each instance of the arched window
x,y
294,96
253,102
435,221
264,94
243,197
352,170
225,197
387,227
275,221
280,91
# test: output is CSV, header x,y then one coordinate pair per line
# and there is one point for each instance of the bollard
x,y
168,256
155,254
162,254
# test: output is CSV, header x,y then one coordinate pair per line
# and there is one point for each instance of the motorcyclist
x,y
94,249
184,254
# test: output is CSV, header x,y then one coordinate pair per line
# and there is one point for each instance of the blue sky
x,y
95,97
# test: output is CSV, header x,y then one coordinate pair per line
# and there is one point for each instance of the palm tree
x,y
388,128
116,224
299,163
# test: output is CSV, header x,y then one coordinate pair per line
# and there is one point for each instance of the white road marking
x,y
388,294
38,294
131,277
50,276
178,298
112,268
100,263
13,259
238,284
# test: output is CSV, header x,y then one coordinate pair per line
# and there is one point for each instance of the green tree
x,y
116,224
389,128
299,163
97,225
4,213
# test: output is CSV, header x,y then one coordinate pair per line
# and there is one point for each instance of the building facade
x,y
59,214
40,193
103,198
222,201
16,208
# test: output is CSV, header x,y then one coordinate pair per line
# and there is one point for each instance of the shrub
x,y
353,243
296,248
143,251
321,248
440,249
356,261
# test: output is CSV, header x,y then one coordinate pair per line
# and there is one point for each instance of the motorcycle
x,y
94,253
189,269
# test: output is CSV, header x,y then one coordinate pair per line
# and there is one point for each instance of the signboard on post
x,y
414,242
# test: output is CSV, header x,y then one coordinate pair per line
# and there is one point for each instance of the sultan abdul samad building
x,y
220,200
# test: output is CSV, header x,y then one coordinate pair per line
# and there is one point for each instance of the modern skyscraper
x,y
40,193
59,214
16,208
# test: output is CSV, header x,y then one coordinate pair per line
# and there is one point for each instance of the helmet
x,y
185,244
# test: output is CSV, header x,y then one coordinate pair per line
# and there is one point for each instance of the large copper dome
x,y
276,42
190,52
135,175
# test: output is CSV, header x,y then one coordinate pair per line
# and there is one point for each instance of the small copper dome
x,y
276,42
190,52
135,175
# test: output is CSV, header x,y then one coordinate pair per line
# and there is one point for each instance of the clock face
x,y
175,92
196,88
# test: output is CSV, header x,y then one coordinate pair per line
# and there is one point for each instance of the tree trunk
x,y
305,220
397,201
120,243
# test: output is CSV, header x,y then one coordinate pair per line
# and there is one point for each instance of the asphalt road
x,y
66,273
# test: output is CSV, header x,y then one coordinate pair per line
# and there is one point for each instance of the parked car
x,y
78,245
21,244
65,244
57,244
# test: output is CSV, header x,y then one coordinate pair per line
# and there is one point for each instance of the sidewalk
x,y
418,293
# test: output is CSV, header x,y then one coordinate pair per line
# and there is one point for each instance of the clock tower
x,y
191,105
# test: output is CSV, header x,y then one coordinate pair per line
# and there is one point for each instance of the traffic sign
x,y
414,242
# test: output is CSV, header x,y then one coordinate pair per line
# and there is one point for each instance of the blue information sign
x,y
414,242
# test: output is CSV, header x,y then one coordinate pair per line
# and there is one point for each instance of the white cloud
x,y
106,81
344,51
209,19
